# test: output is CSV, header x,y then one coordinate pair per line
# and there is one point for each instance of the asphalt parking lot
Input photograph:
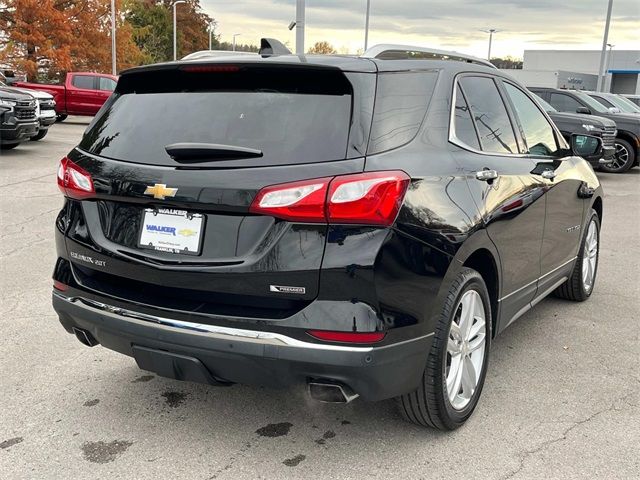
x,y
560,401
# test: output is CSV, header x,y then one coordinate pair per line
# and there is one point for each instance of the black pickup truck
x,y
18,118
627,141
570,123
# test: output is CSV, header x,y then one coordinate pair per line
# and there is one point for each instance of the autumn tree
x,y
45,38
322,48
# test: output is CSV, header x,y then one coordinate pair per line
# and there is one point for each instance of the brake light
x,y
347,337
74,181
298,201
210,68
60,286
372,198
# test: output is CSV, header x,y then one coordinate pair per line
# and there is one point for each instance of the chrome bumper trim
x,y
215,331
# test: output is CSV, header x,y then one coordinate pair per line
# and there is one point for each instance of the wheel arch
x,y
484,262
597,206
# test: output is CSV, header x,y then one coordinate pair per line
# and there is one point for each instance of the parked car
x,y
18,118
364,226
45,109
632,98
572,123
79,94
613,101
628,138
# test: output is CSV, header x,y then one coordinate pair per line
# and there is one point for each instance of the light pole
x,y
606,71
234,40
366,26
604,47
212,27
490,31
300,9
175,33
113,37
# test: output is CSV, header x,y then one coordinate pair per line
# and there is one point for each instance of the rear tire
x,y
580,284
453,351
624,158
40,135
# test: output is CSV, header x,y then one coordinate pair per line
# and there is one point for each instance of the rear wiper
x,y
203,152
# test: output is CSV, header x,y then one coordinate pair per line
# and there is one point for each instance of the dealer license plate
x,y
173,231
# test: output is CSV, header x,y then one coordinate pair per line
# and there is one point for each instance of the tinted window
x,y
83,81
490,115
401,103
536,130
463,124
105,83
564,103
284,113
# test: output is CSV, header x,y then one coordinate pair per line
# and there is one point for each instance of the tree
x,y
507,63
322,48
45,38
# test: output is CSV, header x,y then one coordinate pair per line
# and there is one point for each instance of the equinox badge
x,y
160,191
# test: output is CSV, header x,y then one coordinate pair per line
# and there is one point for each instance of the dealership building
x,y
578,69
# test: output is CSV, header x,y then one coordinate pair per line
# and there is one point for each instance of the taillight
x,y
372,198
297,201
347,337
74,181
60,286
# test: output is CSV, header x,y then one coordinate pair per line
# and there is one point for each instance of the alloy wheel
x,y
465,349
621,157
590,257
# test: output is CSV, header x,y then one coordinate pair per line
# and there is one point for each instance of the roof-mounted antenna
x,y
270,47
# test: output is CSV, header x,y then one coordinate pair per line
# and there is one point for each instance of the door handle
x,y
548,174
486,175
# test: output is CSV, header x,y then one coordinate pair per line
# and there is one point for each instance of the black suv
x,y
361,225
570,123
628,138
18,119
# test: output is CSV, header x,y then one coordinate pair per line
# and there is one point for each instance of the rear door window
x,y
106,83
291,117
401,104
464,129
490,115
536,130
85,82
564,103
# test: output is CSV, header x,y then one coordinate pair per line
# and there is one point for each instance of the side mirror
x,y
614,110
585,145
584,110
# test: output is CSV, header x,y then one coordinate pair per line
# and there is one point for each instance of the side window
x,y
536,129
105,83
564,103
83,81
401,104
603,101
462,123
490,115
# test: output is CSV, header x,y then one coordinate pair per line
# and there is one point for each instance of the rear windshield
x,y
276,112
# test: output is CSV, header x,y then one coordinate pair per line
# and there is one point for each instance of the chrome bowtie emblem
x,y
160,191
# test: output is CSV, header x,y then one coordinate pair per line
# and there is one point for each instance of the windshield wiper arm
x,y
203,152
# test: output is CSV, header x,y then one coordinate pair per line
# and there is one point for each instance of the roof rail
x,y
410,52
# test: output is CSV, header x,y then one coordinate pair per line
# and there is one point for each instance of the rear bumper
x,y
247,356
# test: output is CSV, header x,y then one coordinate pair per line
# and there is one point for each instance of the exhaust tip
x,y
331,392
85,337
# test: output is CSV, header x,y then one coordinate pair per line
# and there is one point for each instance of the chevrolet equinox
x,y
364,226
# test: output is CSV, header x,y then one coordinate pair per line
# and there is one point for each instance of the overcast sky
x,y
447,24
